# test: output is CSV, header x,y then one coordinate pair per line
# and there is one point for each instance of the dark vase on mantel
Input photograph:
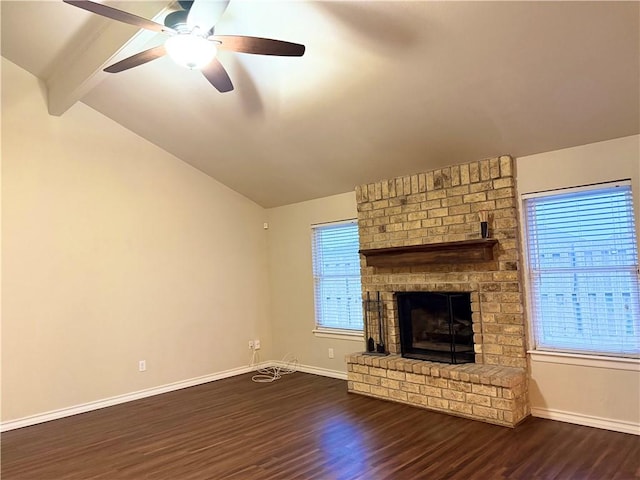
x,y
484,229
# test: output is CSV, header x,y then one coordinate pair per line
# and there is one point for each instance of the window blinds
x,y
583,267
336,273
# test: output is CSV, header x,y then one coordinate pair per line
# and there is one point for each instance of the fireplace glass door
x,y
436,326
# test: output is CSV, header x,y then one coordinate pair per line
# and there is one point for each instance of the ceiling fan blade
x,y
205,14
120,15
217,76
137,59
257,45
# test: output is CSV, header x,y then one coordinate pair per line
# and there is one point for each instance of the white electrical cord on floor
x,y
271,374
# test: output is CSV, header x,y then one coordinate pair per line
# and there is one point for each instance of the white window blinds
x,y
583,267
336,274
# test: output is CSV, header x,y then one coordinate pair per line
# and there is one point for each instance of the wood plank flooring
x,y
305,427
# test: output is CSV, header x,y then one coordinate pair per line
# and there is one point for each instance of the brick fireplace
x,y
421,233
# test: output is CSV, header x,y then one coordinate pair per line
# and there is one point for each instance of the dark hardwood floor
x,y
305,427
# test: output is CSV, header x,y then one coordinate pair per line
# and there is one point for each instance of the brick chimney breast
x,y
440,207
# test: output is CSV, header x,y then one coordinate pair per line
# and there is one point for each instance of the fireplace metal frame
x,y
456,353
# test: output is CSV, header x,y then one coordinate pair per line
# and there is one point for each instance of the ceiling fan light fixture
x,y
190,51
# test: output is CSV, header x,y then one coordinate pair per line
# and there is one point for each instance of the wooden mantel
x,y
465,251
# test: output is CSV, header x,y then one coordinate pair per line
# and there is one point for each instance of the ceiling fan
x,y
192,42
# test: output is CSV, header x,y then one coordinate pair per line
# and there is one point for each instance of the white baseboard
x,y
118,399
324,372
548,413
149,392
587,420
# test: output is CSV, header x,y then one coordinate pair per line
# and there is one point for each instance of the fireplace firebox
x,y
436,326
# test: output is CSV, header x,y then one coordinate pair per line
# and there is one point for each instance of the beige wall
x,y
587,392
291,281
115,251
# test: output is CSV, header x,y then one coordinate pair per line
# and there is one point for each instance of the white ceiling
x,y
384,88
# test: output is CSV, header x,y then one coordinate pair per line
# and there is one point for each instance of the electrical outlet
x,y
256,344
142,365
331,353
251,344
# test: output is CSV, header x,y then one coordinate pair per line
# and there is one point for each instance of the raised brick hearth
x,y
491,394
435,208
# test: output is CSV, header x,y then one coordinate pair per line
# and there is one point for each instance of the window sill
x,y
594,361
355,335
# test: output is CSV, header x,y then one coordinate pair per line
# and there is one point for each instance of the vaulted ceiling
x,y
385,88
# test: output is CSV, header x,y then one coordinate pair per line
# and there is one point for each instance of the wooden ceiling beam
x,y
79,68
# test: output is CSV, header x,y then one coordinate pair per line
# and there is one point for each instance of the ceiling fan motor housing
x,y
177,20
185,4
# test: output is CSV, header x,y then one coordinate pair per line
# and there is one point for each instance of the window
x,y
336,276
583,270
